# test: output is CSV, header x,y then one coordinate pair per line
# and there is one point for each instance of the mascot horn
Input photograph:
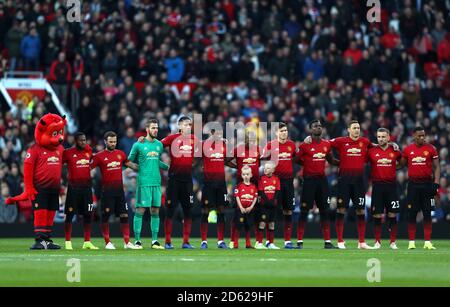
x,y
42,177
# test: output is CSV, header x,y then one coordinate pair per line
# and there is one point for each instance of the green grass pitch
x,y
312,266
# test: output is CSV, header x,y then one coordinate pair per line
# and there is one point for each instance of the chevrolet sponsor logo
x,y
249,160
113,164
82,162
284,155
247,196
384,161
354,150
152,154
53,159
319,155
419,159
216,155
269,188
186,148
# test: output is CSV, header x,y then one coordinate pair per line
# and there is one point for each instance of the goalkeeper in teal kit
x,y
147,155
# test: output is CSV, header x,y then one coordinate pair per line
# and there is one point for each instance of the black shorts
x,y
267,214
78,201
315,190
384,196
214,194
286,196
46,199
114,203
351,188
179,192
420,197
245,220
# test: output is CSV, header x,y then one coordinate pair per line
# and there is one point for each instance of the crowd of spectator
x,y
266,61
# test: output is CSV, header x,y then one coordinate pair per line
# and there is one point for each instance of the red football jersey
x,y
283,154
182,149
214,154
246,193
269,185
420,162
313,157
247,156
79,171
47,166
352,155
110,164
383,164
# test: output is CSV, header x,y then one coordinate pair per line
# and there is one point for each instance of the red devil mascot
x,y
42,177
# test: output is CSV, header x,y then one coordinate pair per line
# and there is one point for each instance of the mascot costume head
x,y
43,164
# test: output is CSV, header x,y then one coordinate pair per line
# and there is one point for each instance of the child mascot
x,y
42,177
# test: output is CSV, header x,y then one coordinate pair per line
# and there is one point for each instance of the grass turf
x,y
312,266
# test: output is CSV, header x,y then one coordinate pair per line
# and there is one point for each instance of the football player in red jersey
x,y
315,185
110,161
383,161
424,173
79,190
214,191
353,156
182,146
282,152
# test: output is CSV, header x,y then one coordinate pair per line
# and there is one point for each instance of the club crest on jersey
x,y
118,156
425,153
361,144
289,149
325,149
391,155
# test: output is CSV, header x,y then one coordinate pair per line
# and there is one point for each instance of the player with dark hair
x,y
110,161
383,161
315,185
424,173
214,191
282,152
79,190
147,154
182,146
